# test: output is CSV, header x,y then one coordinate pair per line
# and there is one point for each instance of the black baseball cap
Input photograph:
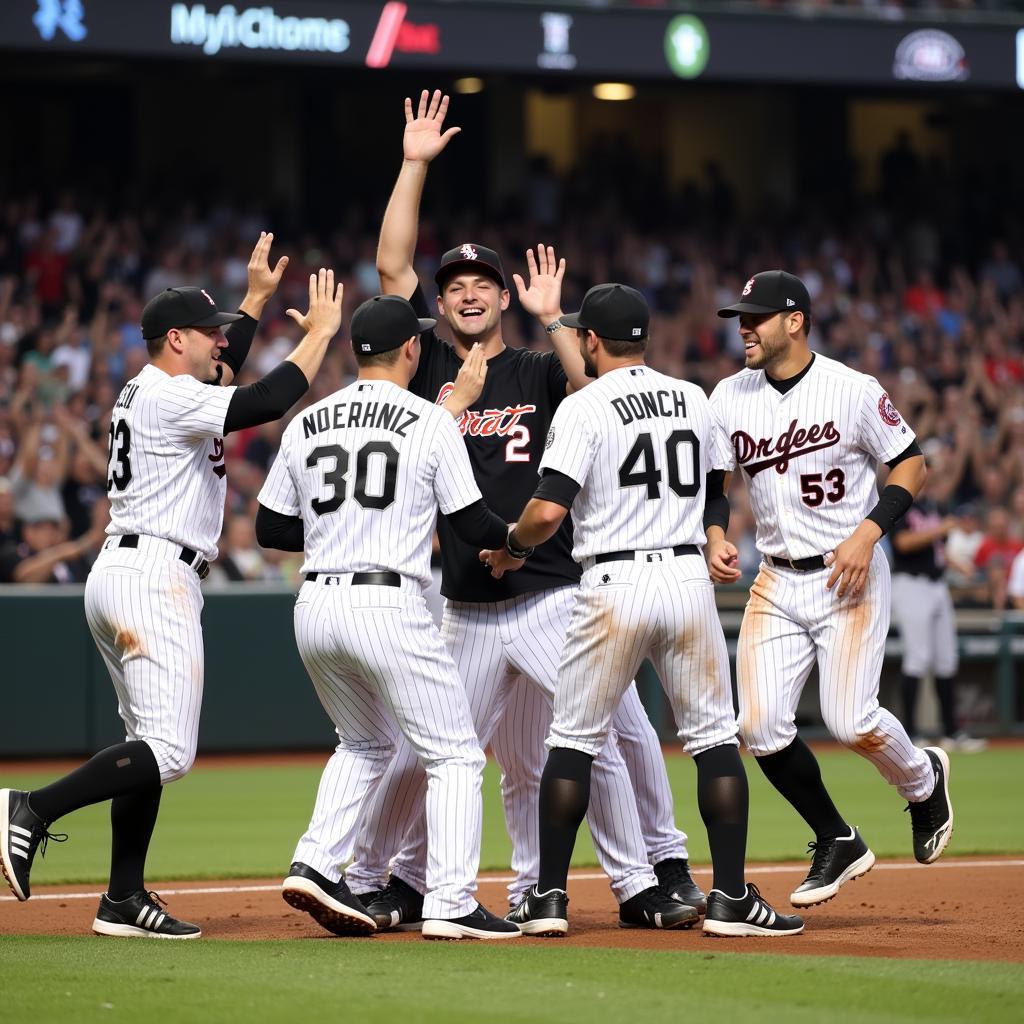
x,y
470,257
613,311
385,322
182,307
771,291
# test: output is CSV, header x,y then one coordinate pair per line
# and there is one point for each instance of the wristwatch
x,y
555,325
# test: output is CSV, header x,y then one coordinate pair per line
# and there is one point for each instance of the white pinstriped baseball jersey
x,y
367,469
809,455
639,443
166,475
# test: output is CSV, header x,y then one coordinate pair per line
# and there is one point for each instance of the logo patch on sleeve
x,y
550,440
888,411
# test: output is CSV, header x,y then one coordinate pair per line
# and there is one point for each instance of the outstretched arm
x,y
422,142
543,299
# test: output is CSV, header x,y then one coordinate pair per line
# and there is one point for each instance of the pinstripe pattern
x,y
177,483
373,652
589,442
664,610
791,622
496,647
433,471
143,612
787,527
923,610
381,672
167,483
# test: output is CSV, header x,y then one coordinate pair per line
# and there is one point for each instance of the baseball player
x,y
358,482
504,631
923,608
808,433
630,455
166,482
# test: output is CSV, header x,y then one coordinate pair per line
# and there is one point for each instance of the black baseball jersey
x,y
505,432
927,561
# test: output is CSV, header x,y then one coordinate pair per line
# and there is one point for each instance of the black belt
x,y
652,556
202,568
365,579
800,564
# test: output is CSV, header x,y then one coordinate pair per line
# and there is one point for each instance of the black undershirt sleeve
x,y
908,453
476,524
239,334
716,501
274,530
268,399
557,487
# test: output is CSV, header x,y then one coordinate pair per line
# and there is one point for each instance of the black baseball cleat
x,y
21,833
397,907
542,914
748,915
835,862
932,820
675,878
654,908
330,904
140,917
481,924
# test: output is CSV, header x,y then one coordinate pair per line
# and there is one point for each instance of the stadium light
x,y
468,86
614,91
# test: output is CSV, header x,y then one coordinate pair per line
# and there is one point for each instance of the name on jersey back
x,y
643,405
341,415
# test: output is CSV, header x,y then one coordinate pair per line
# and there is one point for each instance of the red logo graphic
x,y
490,422
748,287
888,411
395,33
791,444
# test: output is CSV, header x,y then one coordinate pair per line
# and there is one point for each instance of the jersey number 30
x,y
640,469
336,478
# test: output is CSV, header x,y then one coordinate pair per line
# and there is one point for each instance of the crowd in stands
x,y
932,306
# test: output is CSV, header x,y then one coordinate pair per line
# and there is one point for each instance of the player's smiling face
x,y
472,304
203,346
764,339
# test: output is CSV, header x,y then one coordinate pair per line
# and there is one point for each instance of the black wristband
x,y
239,335
892,506
716,502
513,548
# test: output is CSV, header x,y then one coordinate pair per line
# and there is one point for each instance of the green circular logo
x,y
686,46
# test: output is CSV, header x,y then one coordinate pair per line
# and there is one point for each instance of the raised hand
x,y
423,136
324,315
543,297
263,281
469,383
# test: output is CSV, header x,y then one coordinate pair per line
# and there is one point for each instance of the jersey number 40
x,y
640,467
336,478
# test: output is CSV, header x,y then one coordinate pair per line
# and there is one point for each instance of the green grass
x,y
87,980
242,822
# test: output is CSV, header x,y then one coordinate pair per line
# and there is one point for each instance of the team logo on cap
x,y
888,411
748,287
468,252
207,294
